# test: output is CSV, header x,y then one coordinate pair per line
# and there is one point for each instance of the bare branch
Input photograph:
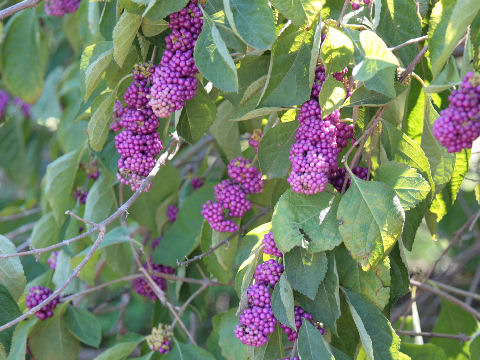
x,y
20,214
460,337
413,64
88,222
409,42
25,4
454,290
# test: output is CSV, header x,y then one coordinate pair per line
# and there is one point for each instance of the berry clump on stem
x,y
35,296
52,260
159,339
172,212
142,287
61,7
269,245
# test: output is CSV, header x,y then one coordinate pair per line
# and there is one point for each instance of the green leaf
x,y
95,70
274,148
220,265
84,326
448,78
454,320
376,57
305,271
153,28
375,284
119,351
378,338
347,339
99,124
159,9
301,12
8,311
199,113
311,344
423,352
18,350
213,59
50,339
231,347
118,235
282,302
22,60
59,181
332,95
271,350
123,35
252,20
226,132
365,97
371,220
45,233
188,352
101,199
299,218
183,236
326,305
408,184
11,269
291,69
400,278
398,23
336,51
448,21
383,82
62,272
474,346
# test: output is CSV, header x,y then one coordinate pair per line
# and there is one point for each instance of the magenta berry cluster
x,y
318,141
138,144
80,195
35,296
338,177
357,3
142,287
4,99
300,314
196,183
231,195
156,242
269,245
255,138
174,82
61,7
459,125
172,212
52,260
23,106
268,273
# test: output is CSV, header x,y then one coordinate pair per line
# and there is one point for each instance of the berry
x,y
255,138
142,287
269,246
156,242
300,314
196,183
36,295
172,212
259,318
232,198
268,273
250,336
52,260
61,7
4,99
214,214
258,295
246,175
459,125
338,177
81,196
22,106
159,339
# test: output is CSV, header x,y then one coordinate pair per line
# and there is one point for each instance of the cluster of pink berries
x,y
174,80
357,3
52,260
231,195
317,143
80,196
459,125
61,7
5,99
196,183
139,143
35,296
337,178
142,287
172,212
255,138
269,245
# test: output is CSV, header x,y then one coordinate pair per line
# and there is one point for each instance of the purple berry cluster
x,y
142,287
23,106
269,245
231,195
196,183
338,177
255,138
318,141
459,124
52,260
172,212
174,80
61,7
139,143
80,195
159,339
156,242
35,296
300,314
4,99
357,3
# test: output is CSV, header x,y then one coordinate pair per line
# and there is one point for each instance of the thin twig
x,y
446,296
88,222
409,42
455,290
224,241
460,337
342,14
192,151
474,285
187,302
20,230
20,215
413,64
25,4
186,280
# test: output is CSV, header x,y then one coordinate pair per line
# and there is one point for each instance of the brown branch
x,y
454,290
342,13
460,337
224,241
413,64
25,4
20,215
409,42
187,302
186,280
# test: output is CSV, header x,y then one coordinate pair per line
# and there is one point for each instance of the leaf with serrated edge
x,y
336,51
11,269
282,302
123,35
311,344
300,12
